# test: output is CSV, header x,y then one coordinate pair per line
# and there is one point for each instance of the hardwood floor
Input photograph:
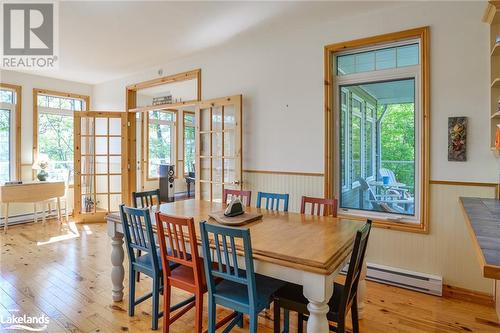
x,y
64,273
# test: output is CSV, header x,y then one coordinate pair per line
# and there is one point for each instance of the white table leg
x,y
318,290
362,291
59,218
6,220
117,271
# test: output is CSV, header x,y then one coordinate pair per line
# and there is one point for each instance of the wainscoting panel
x,y
446,251
295,185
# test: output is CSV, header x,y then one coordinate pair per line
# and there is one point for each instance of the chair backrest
x,y
138,232
179,230
355,267
243,195
146,198
273,200
226,265
376,204
388,173
317,204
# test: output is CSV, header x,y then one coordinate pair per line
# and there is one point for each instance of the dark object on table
x,y
234,208
457,139
167,178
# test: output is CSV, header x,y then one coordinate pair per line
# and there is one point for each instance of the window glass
x,y
387,58
407,55
56,134
160,140
6,96
189,132
5,155
382,176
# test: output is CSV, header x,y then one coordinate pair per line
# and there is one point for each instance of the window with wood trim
x,y
55,131
377,146
161,140
8,101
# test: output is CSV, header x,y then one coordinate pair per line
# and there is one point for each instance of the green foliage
x,y
398,141
55,138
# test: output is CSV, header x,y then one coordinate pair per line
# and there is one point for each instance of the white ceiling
x,y
105,40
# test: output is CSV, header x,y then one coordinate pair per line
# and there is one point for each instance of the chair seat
x,y
144,262
291,296
238,293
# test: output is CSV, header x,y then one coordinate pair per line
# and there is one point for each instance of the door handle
x,y
236,182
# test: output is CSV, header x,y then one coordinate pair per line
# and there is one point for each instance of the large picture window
x,y
377,133
55,132
160,141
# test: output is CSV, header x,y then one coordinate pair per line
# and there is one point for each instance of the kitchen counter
x,y
483,219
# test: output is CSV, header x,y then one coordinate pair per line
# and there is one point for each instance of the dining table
x,y
308,250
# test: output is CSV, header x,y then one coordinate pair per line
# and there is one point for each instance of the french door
x,y
100,164
218,147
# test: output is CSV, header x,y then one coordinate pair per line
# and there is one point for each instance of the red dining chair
x,y
322,206
244,195
189,275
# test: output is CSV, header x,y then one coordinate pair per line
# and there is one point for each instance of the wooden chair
x,y
189,275
138,232
273,200
240,290
142,200
319,203
146,198
344,296
242,194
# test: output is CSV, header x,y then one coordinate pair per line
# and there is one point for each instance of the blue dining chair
x,y
138,232
142,200
244,291
146,198
273,200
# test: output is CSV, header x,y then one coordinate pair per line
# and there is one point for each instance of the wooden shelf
x,y
495,83
170,106
496,50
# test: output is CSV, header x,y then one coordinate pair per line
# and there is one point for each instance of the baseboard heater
x,y
29,217
425,283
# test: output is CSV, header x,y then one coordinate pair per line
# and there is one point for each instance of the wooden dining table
x,y
303,249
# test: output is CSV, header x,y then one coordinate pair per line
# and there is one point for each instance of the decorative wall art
x,y
457,139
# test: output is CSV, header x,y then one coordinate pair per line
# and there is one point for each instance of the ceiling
x,y
105,40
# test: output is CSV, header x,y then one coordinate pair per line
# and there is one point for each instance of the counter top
x,y
483,220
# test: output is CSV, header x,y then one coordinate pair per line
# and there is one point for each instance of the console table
x,y
31,192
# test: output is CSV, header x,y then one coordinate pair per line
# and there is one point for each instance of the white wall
x,y
28,83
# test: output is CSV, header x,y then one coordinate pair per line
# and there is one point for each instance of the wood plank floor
x,y
64,273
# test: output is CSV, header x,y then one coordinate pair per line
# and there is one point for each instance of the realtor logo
x,y
29,35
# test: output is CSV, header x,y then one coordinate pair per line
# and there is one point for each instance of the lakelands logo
x,y
29,35
25,322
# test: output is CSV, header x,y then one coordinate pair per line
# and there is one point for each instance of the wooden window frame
x,y
174,143
36,92
330,98
184,139
132,109
17,128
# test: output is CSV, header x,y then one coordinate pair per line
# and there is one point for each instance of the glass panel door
x,y
218,147
100,161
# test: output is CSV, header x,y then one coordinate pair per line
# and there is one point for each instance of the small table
x,y
31,192
189,181
304,249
